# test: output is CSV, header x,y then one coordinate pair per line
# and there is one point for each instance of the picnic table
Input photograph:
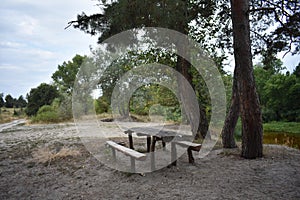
x,y
154,134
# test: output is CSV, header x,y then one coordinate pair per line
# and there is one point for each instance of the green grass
x,y
287,127
272,127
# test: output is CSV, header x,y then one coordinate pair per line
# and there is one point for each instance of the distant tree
x,y
21,102
277,92
9,101
2,103
281,92
44,94
297,71
65,75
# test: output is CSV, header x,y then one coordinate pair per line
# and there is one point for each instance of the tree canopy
x,y
215,22
278,94
44,94
65,75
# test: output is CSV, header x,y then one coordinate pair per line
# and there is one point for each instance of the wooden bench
x,y
190,147
134,155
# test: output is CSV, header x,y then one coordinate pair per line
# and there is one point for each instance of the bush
x,y
101,106
173,114
16,113
46,114
63,105
44,94
268,115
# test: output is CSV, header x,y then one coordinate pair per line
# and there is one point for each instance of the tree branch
x,y
81,19
280,7
70,24
259,35
261,9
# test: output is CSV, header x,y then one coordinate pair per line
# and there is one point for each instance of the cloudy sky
x,y
33,41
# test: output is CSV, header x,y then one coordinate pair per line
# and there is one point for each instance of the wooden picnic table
x,y
154,134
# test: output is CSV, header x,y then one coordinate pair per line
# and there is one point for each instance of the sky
x,y
33,41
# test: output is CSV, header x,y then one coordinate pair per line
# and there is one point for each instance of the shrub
x,y
64,107
42,95
46,114
101,106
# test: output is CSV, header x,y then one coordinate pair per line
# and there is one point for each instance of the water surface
x,y
282,138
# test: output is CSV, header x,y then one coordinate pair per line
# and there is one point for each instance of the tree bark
x,y
232,116
183,67
252,132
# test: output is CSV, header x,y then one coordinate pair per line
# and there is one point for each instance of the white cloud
x,y
7,44
27,25
33,41
9,67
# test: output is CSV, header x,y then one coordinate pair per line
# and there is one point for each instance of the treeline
x,y
9,102
279,93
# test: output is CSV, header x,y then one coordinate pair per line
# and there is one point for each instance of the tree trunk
x,y
183,67
252,132
232,116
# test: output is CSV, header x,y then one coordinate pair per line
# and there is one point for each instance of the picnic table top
x,y
153,131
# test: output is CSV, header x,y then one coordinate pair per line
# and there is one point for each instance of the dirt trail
x,y
11,124
223,174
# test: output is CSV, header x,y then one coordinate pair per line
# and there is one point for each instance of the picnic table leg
x,y
163,144
148,143
130,140
152,153
153,142
132,162
173,154
190,154
114,154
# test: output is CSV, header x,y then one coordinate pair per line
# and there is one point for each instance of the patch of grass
x,y
45,156
10,114
46,117
280,127
286,127
104,115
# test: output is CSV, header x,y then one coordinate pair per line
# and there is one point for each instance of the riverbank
x,y
287,127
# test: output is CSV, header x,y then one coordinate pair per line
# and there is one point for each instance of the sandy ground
x,y
223,174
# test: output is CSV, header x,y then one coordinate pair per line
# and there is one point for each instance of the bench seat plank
x,y
127,151
187,144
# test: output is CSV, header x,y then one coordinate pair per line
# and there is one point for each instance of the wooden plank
x,y
187,144
127,151
173,154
